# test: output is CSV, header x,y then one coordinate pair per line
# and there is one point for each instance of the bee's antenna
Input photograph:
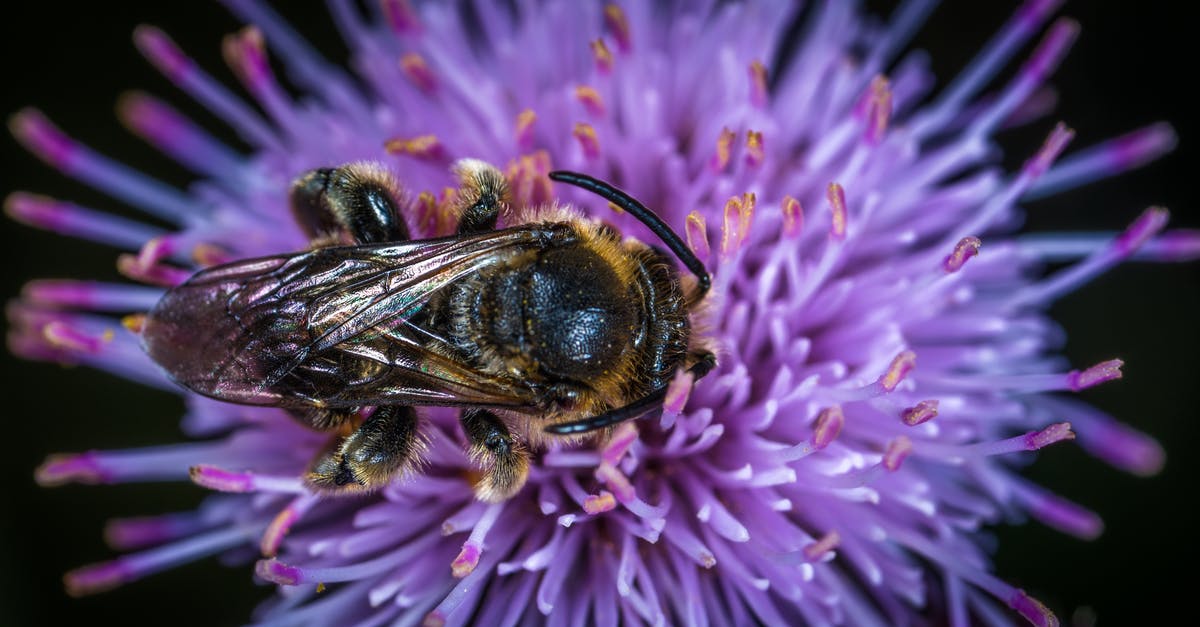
x,y
631,206
636,409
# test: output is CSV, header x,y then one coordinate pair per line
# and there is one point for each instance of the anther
x,y
418,72
837,205
755,149
697,235
1055,143
591,100
423,147
1100,373
466,561
618,26
758,84
599,503
602,57
827,426
793,217
879,109
720,159
966,248
134,323
1033,610
1056,432
896,452
922,412
523,130
901,365
588,142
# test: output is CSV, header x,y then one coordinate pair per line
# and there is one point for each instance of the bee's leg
x,y
504,460
372,454
356,203
482,195
323,419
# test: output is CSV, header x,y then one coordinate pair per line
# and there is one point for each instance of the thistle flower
x,y
885,358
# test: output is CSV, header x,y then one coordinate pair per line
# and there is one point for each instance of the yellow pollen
x,y
879,109
736,223
134,322
837,203
523,132
697,235
207,254
828,425
618,25
414,67
587,139
793,216
746,215
755,150
602,56
590,99
720,159
758,84
897,450
898,369
527,178
447,211
427,213
421,147
966,248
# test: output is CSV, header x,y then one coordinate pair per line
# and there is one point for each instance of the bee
x,y
553,327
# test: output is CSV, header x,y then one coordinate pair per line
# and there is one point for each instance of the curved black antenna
x,y
636,209
636,409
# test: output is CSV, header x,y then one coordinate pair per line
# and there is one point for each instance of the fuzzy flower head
x,y
884,353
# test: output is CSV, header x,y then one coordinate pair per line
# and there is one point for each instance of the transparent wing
x,y
330,326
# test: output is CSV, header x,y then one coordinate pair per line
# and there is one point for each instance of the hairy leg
x,y
369,457
504,460
357,203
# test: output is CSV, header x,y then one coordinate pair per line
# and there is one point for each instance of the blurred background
x,y
1132,66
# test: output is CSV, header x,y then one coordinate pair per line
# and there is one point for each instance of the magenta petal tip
x,y
1100,373
220,479
41,137
1032,609
162,51
97,578
277,572
63,469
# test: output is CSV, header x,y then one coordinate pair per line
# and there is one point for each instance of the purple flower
x,y
885,353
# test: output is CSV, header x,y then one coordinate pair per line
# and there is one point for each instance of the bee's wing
x,y
327,326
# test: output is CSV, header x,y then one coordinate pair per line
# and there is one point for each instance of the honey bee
x,y
554,327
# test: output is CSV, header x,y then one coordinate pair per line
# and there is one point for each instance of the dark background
x,y
1132,66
